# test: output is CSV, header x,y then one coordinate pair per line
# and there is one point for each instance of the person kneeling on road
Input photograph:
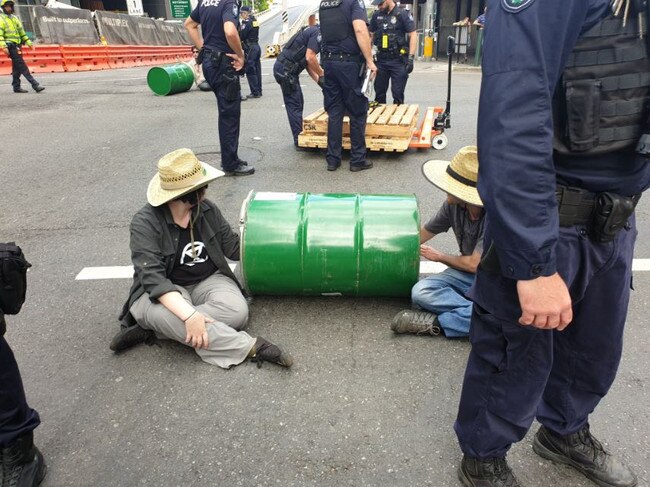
x,y
183,288
442,296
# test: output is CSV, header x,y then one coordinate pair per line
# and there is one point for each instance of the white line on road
x,y
426,267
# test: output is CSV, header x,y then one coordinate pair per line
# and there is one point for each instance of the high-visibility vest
x,y
11,30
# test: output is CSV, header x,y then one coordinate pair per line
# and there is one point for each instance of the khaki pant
x,y
217,297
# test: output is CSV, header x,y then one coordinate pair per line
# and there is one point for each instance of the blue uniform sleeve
x,y
358,11
407,21
524,55
373,22
230,13
314,41
195,16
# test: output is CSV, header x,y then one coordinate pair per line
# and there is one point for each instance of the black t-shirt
x,y
212,14
189,269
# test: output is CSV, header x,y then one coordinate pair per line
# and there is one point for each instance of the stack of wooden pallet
x,y
388,128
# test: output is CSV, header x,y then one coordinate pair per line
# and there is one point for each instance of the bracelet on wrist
x,y
192,314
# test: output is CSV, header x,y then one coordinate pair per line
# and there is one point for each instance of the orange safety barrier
x,y
44,58
84,57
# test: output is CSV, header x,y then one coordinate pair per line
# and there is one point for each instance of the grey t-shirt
x,y
469,233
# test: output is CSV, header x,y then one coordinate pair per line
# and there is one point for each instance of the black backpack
x,y
13,278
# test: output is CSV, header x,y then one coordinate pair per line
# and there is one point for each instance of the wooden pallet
x,y
388,128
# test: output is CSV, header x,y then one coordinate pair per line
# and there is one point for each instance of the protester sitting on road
x,y
183,288
199,78
442,296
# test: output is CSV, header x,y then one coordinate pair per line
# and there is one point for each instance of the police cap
x,y
245,8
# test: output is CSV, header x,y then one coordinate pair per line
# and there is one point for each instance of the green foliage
x,y
258,5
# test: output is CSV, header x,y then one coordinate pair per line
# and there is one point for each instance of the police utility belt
x,y
604,214
341,56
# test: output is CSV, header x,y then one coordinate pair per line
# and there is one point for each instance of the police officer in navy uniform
x,y
346,44
394,36
222,57
563,105
250,34
299,53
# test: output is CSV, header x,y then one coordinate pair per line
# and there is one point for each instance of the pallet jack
x,y
436,120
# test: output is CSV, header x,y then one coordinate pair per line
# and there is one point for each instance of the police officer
x,y
391,26
250,34
299,53
12,37
222,57
346,44
560,114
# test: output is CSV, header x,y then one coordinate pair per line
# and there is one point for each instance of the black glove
x,y
409,65
199,57
321,82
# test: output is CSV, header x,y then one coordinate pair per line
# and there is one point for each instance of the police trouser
x,y
225,84
16,417
516,373
342,94
393,70
19,67
254,68
293,100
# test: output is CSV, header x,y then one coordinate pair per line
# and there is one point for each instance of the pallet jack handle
x,y
451,47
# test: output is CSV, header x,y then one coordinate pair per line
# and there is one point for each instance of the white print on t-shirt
x,y
187,258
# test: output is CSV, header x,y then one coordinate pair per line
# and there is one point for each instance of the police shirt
x,y
524,53
250,30
311,38
212,14
352,10
402,18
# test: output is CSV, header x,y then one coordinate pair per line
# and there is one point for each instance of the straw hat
x,y
457,177
179,173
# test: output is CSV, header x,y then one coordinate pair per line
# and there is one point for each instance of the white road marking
x,y
426,267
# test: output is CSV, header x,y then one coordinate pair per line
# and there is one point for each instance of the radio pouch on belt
x,y
610,215
13,278
230,83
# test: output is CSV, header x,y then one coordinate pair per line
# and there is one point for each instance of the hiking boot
x,y
19,90
265,351
417,322
131,336
586,454
38,88
22,463
360,167
240,170
486,472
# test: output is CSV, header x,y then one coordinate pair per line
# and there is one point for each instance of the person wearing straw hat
x,y
183,288
441,297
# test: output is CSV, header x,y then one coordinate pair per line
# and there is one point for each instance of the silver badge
x,y
393,20
515,6
235,10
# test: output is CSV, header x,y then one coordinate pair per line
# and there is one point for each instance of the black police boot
x,y
240,170
586,454
360,167
265,351
487,472
131,336
38,88
22,464
19,90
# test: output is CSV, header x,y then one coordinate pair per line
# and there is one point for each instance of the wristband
x,y
192,314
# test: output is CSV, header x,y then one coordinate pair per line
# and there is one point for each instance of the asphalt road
x,y
274,24
361,407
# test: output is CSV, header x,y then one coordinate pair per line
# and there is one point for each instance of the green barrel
x,y
172,79
330,244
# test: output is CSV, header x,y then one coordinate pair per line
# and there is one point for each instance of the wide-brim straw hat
x,y
457,177
179,172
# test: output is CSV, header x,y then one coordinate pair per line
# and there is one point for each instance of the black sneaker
x,y
131,336
265,351
486,472
22,464
240,170
417,322
19,90
360,167
586,454
38,88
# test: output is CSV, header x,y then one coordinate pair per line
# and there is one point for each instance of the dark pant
x,y
19,67
293,102
229,110
393,70
516,373
342,93
254,68
16,417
